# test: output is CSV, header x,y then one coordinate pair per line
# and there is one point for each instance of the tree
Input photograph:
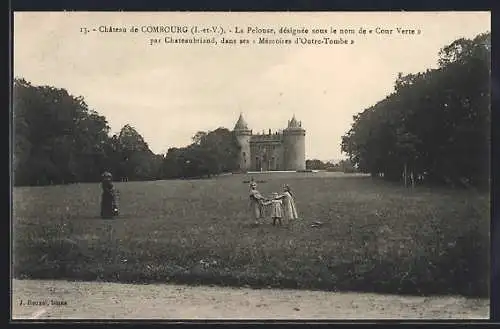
x,y
199,137
57,139
434,123
211,153
222,145
134,161
315,164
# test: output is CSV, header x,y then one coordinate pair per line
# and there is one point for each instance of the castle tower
x,y
243,135
294,145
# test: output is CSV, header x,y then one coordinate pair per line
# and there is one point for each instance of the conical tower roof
x,y
294,123
241,124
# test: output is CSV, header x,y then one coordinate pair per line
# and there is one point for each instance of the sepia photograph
x,y
250,165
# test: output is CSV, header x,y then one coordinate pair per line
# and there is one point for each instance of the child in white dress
x,y
276,209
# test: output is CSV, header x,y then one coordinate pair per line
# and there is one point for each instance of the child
x,y
256,202
276,209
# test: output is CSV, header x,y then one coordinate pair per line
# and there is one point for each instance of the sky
x,y
169,92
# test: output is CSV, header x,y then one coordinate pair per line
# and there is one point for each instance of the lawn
x,y
375,237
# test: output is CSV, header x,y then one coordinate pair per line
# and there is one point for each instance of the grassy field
x,y
376,236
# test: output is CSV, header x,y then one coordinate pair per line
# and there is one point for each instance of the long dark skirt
x,y
108,205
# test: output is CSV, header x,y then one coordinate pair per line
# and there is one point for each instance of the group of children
x,y
281,205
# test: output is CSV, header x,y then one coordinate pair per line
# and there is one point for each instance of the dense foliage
x,y
435,124
210,154
58,140
345,165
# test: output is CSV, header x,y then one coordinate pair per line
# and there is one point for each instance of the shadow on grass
x,y
461,269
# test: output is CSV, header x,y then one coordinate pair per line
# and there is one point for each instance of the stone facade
x,y
280,150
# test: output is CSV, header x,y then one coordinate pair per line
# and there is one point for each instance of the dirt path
x,y
97,300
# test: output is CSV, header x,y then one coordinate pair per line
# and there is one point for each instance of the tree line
x,y
59,140
435,125
345,166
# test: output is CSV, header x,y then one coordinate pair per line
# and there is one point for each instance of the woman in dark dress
x,y
108,199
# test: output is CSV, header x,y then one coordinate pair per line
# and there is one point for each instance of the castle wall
x,y
243,138
266,154
295,149
282,150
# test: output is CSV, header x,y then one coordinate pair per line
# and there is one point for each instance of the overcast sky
x,y
169,92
